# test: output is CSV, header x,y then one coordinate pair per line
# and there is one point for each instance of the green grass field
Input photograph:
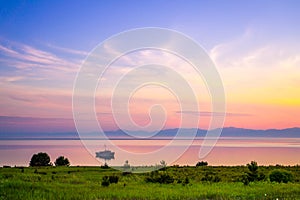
x,y
186,183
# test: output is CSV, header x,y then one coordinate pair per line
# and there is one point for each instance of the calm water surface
x,y
227,151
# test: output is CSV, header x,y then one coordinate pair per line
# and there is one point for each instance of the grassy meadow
x,y
204,182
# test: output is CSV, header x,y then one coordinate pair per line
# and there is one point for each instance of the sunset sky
x,y
254,45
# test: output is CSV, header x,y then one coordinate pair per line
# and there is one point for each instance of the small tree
x,y
40,159
126,165
253,174
62,161
163,163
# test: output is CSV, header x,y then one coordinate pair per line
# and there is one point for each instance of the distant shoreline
x,y
154,138
161,135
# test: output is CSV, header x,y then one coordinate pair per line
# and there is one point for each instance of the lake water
x,y
227,151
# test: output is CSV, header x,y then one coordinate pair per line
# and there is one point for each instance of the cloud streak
x,y
23,56
247,50
210,114
68,50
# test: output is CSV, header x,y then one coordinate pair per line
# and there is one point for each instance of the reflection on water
x,y
228,151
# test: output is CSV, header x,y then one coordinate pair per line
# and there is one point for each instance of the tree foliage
x,y
62,161
253,174
40,159
253,167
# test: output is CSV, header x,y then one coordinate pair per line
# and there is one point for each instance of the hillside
x,y
164,134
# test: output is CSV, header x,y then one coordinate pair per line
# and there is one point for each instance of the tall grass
x,y
85,183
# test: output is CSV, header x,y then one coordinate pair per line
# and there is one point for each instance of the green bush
x,y
186,181
280,176
113,179
211,177
245,179
201,163
105,181
105,166
156,177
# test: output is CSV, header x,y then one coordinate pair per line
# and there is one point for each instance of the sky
x,y
254,45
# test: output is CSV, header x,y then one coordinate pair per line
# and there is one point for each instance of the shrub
x,y
126,173
186,181
7,176
105,181
156,177
105,166
62,161
40,159
201,163
245,180
261,176
216,179
211,177
280,176
113,179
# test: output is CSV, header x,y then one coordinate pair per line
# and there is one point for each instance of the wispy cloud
x,y
35,82
20,98
10,78
23,56
210,114
248,50
24,64
68,50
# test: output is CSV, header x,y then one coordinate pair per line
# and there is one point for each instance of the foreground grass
x,y
85,183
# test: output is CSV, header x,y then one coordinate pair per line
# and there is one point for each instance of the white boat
x,y
106,154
